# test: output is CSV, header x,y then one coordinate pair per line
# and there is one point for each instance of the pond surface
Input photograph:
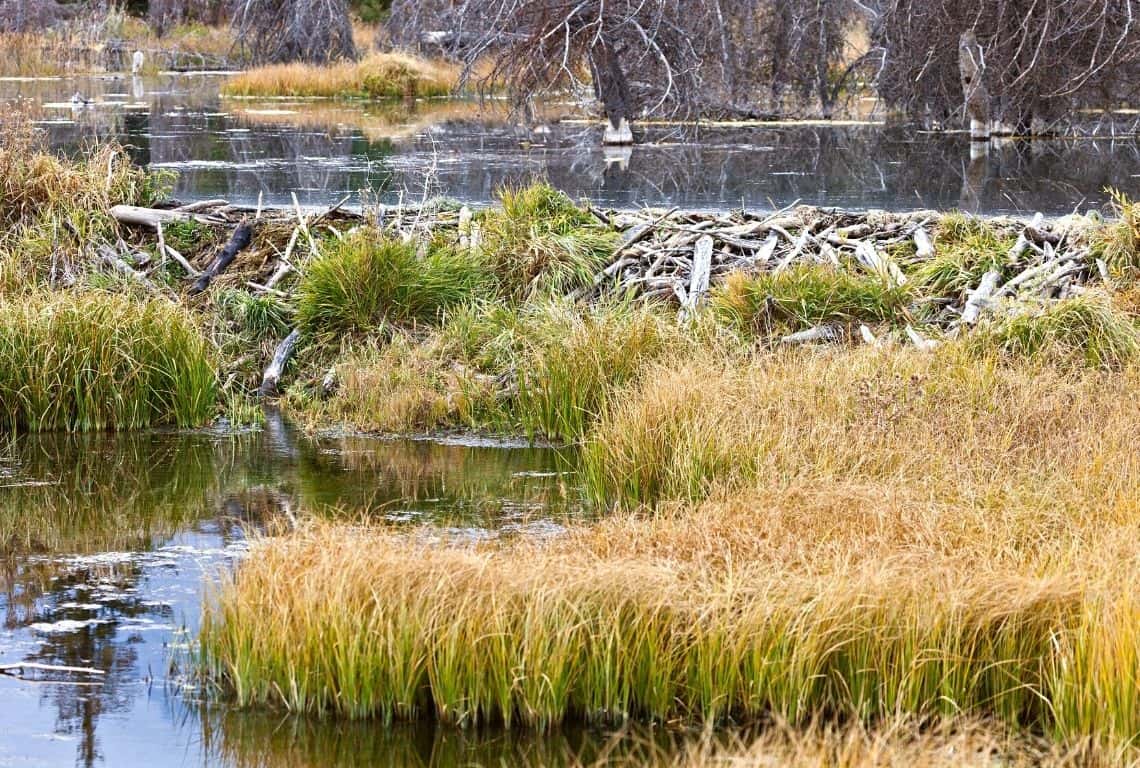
x,y
106,543
322,150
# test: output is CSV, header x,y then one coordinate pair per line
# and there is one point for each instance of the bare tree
x,y
1042,58
269,31
162,15
642,57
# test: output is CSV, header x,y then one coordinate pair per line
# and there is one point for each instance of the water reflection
x,y
106,540
322,150
265,741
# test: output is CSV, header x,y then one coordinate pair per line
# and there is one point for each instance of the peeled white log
x,y
879,264
699,280
924,246
815,333
150,217
919,340
980,297
276,367
1023,240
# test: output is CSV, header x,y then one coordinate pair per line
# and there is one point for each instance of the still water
x,y
322,150
107,542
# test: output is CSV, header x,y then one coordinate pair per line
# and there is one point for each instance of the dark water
x,y
106,542
240,148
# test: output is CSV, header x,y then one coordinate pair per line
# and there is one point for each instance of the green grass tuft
x,y
539,242
965,250
1085,329
802,297
89,361
363,283
1119,243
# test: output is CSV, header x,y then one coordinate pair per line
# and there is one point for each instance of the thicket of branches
x,y
1043,58
656,57
162,15
25,15
271,31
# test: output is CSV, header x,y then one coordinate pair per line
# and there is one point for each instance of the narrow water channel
x,y
106,542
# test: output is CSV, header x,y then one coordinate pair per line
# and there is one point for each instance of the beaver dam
x,y
553,482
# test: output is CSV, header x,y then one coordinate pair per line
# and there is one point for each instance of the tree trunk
x,y
972,69
612,89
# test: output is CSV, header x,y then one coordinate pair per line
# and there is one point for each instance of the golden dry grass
x,y
377,75
871,534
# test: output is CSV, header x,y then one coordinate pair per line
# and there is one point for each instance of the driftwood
x,y
980,296
239,240
272,375
21,666
150,217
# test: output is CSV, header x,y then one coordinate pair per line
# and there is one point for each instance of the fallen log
x,y
815,333
150,217
980,297
699,282
239,240
272,375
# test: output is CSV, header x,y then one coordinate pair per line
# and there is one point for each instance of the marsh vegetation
x,y
843,537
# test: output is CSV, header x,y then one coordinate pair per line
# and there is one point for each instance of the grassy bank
x,y
80,46
376,76
870,534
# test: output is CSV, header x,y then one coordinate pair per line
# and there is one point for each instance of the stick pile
x,y
672,254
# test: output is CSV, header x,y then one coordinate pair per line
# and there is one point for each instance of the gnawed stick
x,y
201,205
108,255
1024,241
239,240
276,367
923,245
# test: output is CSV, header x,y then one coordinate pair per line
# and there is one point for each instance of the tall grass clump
x,y
576,359
51,206
364,282
1118,243
404,386
378,76
539,242
562,360
966,248
621,620
953,421
805,296
1086,329
90,361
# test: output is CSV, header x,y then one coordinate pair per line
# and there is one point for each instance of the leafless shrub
x,y
273,31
